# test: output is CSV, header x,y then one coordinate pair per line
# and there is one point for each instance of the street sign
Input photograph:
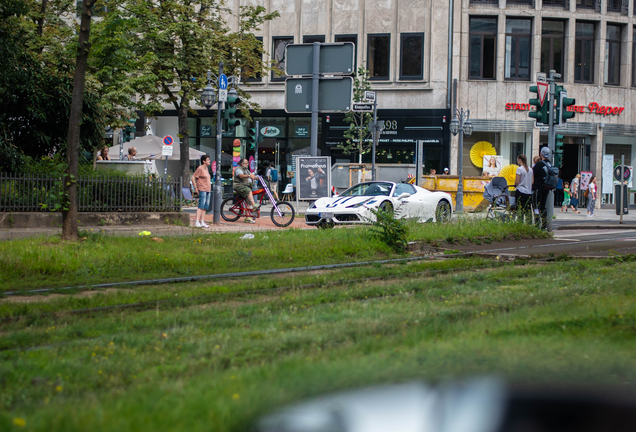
x,y
542,77
335,58
166,150
369,95
541,126
223,82
334,94
626,173
223,95
168,140
542,88
362,107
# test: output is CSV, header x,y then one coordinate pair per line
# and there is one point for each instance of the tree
x,y
358,133
69,215
177,42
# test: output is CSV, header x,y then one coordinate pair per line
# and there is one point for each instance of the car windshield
x,y
369,189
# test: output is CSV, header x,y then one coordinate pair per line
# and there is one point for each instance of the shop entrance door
x,y
575,158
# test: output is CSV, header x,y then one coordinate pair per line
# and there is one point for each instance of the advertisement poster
x,y
608,173
313,177
586,176
492,165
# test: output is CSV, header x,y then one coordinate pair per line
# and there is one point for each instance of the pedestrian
x,y
558,193
539,172
591,196
446,171
574,201
567,198
535,160
432,172
104,154
203,185
272,178
523,183
132,152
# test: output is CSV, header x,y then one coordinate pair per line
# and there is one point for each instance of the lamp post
x,y
208,98
460,124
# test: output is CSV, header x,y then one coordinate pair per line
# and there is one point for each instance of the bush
x,y
393,232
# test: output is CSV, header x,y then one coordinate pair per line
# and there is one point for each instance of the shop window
x,y
278,56
483,44
516,149
552,42
584,53
411,56
475,169
314,38
518,49
613,55
378,49
254,71
350,38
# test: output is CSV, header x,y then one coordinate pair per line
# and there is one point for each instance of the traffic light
x,y
129,131
541,114
562,106
232,112
558,150
252,138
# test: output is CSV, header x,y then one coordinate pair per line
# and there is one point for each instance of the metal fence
x,y
35,192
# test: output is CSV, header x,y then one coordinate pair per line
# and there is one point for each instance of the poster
x,y
608,173
313,177
586,176
492,165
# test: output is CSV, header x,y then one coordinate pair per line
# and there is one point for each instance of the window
x,y
483,44
350,38
518,49
584,53
521,2
485,2
378,50
613,55
563,4
552,38
634,59
314,38
401,188
620,6
595,5
254,71
278,56
411,56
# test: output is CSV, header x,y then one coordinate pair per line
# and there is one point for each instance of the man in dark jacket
x,y
539,171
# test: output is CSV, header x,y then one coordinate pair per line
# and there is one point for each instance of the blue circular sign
x,y
167,140
223,82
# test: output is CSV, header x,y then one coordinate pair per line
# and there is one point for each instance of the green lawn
x,y
217,363
49,263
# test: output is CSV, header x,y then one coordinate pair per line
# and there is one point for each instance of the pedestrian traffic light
x,y
541,113
129,133
558,150
232,112
562,106
251,138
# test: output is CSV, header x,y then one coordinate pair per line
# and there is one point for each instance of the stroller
x,y
502,205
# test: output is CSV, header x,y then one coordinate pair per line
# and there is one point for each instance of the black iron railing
x,y
621,6
564,4
484,2
33,193
589,4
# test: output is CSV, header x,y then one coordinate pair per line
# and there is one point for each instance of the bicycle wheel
x,y
286,216
231,209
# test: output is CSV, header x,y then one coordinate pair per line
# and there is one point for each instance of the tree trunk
x,y
184,144
69,216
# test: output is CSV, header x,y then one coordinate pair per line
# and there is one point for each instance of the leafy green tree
x,y
358,135
175,43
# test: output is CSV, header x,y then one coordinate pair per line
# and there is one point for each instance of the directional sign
x,y
223,82
362,107
167,140
334,94
542,88
335,58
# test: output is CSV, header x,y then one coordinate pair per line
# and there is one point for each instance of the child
x,y
566,198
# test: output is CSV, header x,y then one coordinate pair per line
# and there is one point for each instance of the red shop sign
x,y
593,107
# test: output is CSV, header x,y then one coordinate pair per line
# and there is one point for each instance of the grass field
x,y
50,263
225,353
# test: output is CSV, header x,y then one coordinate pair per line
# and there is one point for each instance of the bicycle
x,y
233,208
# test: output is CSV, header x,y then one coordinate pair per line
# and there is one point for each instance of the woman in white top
x,y
523,183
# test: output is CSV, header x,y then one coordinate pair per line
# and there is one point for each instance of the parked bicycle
x,y
233,208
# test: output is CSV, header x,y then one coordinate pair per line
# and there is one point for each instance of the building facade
x,y
496,48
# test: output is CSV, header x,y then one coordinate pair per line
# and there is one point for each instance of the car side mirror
x,y
404,196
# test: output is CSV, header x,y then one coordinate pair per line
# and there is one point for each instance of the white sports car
x,y
354,205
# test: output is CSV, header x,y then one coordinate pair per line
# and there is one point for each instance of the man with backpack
x,y
545,180
272,177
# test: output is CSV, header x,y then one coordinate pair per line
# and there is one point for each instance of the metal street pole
x,y
256,146
315,86
375,136
218,187
459,200
620,185
551,145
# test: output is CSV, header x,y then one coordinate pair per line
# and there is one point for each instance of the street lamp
x,y
460,125
208,97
